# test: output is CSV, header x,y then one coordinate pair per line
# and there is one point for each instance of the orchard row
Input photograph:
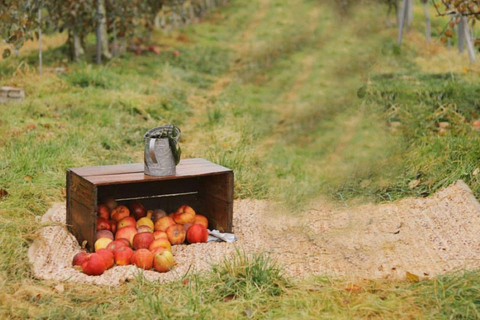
x,y
113,22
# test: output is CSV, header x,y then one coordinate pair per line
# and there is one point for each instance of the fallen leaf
x,y
229,298
64,192
362,92
37,297
6,53
351,287
444,124
30,126
414,183
248,313
413,277
476,171
60,288
28,178
3,193
185,282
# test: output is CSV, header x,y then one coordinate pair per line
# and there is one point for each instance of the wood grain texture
x,y
204,185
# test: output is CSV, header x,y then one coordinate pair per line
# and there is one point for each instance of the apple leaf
x,y
413,277
3,193
351,287
6,53
362,92
414,183
229,297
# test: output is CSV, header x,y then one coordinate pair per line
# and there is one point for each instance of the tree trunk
x,y
77,53
402,19
410,12
102,36
428,26
40,62
115,42
468,39
461,35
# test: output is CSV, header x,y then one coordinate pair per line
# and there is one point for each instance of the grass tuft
x,y
245,275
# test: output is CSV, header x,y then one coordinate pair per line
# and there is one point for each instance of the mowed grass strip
x,y
287,119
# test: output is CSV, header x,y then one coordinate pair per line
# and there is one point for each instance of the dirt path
x,y
423,236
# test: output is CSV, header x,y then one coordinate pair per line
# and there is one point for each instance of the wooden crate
x,y
205,186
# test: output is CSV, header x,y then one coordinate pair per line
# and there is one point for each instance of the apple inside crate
x,y
201,184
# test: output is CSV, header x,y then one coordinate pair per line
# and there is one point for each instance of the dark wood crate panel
x,y
205,186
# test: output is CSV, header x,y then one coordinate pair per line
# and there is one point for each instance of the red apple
x,y
197,233
154,49
160,243
184,214
127,233
103,224
103,211
476,124
160,234
157,214
123,256
199,219
108,258
104,234
142,240
113,226
102,243
94,265
137,210
127,243
144,229
126,222
175,53
145,221
163,223
110,203
114,245
80,258
120,212
143,258
176,234
163,260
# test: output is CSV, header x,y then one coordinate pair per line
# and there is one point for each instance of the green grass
x,y
276,101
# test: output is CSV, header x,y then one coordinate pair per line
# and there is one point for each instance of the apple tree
x,y
18,23
463,16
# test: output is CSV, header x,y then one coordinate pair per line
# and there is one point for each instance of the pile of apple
x,y
133,235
